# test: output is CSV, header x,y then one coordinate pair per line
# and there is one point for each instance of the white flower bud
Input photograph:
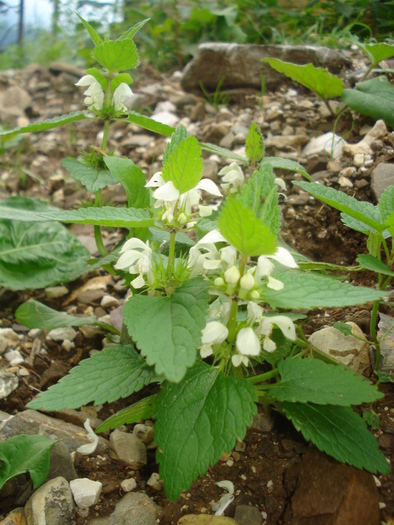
x,y
247,281
182,219
247,342
232,275
219,282
254,295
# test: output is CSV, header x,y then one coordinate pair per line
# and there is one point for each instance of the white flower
x,y
247,344
168,195
94,94
247,281
136,258
121,93
284,323
255,312
232,275
213,333
205,256
265,267
233,177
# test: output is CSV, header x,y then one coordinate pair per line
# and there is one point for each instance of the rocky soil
x,y
277,478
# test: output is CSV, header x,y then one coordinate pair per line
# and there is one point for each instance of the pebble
x,y
329,143
54,292
155,482
62,334
108,300
86,492
247,515
165,117
128,485
15,517
51,504
381,178
205,519
14,357
8,383
127,449
8,339
387,345
359,159
144,433
135,508
344,182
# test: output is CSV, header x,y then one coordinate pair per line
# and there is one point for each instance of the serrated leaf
x,y
312,381
339,432
92,178
179,135
115,372
183,165
320,266
386,203
149,124
241,228
372,212
372,98
286,164
320,81
117,56
375,265
141,410
34,314
340,201
385,377
122,78
24,453
132,178
372,419
104,216
377,52
92,33
133,30
196,421
310,290
167,330
223,152
98,76
36,254
44,125
254,144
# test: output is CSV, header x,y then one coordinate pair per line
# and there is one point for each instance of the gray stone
x,y
210,170
108,300
247,515
32,422
54,292
61,463
263,421
165,117
127,449
62,334
283,142
387,346
51,504
13,102
328,143
241,64
344,348
62,67
382,177
132,509
8,383
8,339
128,485
86,492
144,433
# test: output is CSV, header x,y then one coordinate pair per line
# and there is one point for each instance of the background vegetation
x,y
177,27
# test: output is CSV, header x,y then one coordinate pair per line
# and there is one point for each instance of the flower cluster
x,y
136,258
94,95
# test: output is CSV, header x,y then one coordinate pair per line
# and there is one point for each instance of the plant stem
x,y
171,255
232,323
97,230
264,377
104,142
372,328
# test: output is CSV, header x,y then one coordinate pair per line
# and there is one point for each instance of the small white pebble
x,y
68,345
270,484
378,483
382,505
128,485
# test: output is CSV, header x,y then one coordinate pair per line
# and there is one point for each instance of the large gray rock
x,y
32,422
387,346
13,102
51,504
241,64
382,177
133,508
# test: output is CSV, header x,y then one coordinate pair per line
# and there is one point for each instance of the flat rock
x,y
241,64
62,334
332,493
328,143
205,519
381,178
132,509
51,504
127,449
15,517
62,67
346,349
8,339
85,491
386,346
8,383
32,422
247,515
54,292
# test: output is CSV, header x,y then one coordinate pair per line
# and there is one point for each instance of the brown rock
x,y
205,519
332,493
16,517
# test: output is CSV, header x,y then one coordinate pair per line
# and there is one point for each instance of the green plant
x,y
219,98
210,324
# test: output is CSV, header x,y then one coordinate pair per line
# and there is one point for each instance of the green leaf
x,y
179,135
133,180
248,234
385,377
141,410
117,56
122,78
183,165
167,329
318,80
34,314
286,164
310,290
92,178
386,203
373,213
344,328
36,254
105,216
377,52
372,98
372,419
339,432
337,199
196,421
375,265
223,152
254,145
115,372
149,124
44,125
133,30
92,33
98,76
25,453
312,381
